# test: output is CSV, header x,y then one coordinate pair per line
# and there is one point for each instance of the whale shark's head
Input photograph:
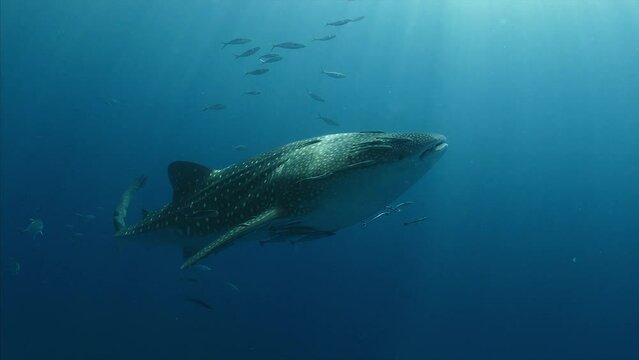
x,y
416,150
361,173
420,147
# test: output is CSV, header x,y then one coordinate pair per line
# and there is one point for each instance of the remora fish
x,y
248,52
359,18
288,45
320,185
390,209
333,74
238,41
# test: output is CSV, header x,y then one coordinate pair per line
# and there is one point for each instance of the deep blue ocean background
x,y
531,249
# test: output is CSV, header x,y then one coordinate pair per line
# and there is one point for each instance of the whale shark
x,y
304,190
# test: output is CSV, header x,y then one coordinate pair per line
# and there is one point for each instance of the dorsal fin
x,y
186,177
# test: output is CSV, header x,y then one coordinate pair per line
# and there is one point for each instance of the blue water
x,y
531,249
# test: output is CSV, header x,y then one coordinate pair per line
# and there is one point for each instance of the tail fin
x,y
224,45
119,215
273,47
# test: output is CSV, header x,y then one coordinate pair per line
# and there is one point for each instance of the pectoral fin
x,y
233,234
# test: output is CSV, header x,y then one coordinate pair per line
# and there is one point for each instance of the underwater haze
x,y
530,249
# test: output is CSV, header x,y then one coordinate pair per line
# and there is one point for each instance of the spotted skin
x,y
289,183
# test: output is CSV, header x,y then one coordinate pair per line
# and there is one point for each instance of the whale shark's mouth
x,y
437,147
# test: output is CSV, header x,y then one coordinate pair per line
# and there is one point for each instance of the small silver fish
x,y
257,72
288,45
333,74
329,121
248,52
271,59
253,92
85,217
215,107
338,22
268,56
199,302
232,286
237,41
325,38
315,96
240,147
359,18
